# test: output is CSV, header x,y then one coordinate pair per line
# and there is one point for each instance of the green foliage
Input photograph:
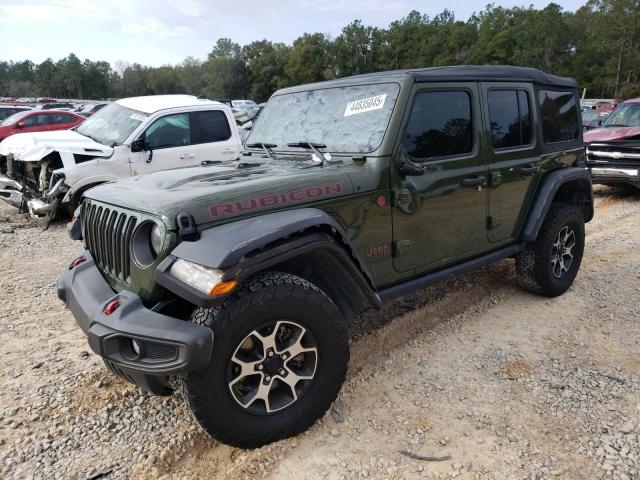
x,y
597,45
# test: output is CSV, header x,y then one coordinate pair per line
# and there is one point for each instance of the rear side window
x,y
439,125
559,114
209,126
59,118
510,118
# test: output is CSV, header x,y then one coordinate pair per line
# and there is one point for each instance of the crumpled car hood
x,y
609,134
32,147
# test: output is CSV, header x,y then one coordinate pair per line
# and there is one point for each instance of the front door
x,y
441,198
513,156
186,139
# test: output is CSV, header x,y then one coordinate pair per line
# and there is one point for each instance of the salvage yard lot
x,y
509,384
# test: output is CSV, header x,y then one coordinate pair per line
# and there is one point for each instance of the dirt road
x,y
508,384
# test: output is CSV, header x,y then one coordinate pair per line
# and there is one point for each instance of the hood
x,y
217,193
31,147
611,134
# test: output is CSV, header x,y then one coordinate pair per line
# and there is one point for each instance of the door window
x,y
510,118
36,120
209,126
439,125
169,131
59,118
559,113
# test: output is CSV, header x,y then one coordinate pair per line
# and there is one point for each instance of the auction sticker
x,y
365,105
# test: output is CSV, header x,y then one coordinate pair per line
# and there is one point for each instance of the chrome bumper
x,y
10,191
630,174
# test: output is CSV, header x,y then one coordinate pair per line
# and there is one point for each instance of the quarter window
x,y
559,113
510,118
209,126
169,131
439,125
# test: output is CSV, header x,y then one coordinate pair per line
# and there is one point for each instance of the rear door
x,y
440,213
512,153
60,121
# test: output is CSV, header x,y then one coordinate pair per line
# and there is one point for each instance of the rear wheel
x,y
549,265
279,358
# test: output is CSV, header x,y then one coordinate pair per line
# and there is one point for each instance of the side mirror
x,y
599,123
21,125
140,145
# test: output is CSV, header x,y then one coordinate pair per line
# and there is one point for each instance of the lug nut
x,y
284,356
267,378
260,366
270,353
282,372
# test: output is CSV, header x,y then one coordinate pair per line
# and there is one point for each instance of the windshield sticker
x,y
365,105
138,117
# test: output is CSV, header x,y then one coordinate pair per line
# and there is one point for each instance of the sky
x,y
159,32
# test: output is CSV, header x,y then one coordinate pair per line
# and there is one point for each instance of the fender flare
x,y
244,247
550,186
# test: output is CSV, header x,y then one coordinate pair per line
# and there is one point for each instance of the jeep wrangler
x,y
234,279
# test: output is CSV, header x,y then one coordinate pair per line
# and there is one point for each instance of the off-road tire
x,y
534,265
273,295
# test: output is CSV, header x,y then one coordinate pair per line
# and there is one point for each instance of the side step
x,y
440,275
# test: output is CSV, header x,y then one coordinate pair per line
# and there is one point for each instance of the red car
x,y
613,150
38,121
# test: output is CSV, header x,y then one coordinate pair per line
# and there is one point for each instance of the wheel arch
x,y
306,242
569,185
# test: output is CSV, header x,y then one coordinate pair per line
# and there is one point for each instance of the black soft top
x,y
458,73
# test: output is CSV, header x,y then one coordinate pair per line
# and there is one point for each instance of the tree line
x,y
598,45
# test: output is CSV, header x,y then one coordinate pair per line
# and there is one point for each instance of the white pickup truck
x,y
42,171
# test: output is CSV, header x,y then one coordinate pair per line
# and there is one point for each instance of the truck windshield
x,y
626,115
345,119
112,124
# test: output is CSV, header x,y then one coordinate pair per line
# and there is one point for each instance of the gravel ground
x,y
505,383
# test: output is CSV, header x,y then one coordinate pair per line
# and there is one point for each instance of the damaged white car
x,y
41,172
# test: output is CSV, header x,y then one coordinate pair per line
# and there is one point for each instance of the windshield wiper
x,y
315,148
264,146
616,125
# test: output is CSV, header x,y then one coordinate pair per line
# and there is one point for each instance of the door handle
x,y
474,181
228,150
528,169
187,156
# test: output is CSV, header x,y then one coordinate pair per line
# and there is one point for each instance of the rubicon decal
x,y
273,200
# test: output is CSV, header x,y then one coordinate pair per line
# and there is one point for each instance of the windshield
x,y
627,115
16,117
345,119
112,124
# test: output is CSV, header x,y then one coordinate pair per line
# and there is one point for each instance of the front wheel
x,y
279,358
549,265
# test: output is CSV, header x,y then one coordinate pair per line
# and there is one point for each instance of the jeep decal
x,y
272,200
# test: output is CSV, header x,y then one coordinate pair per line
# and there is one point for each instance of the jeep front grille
x,y
616,153
108,234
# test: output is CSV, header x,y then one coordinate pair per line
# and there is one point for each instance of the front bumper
x,y
11,191
607,175
168,346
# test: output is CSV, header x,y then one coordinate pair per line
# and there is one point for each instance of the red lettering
x,y
242,207
296,196
314,192
331,189
267,201
221,210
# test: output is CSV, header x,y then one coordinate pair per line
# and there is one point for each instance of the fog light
x,y
136,347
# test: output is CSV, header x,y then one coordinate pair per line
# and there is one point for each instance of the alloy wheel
x,y
562,252
273,367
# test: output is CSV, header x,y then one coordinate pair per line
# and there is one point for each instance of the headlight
x,y
207,280
157,238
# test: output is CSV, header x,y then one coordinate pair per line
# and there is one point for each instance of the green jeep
x,y
235,279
